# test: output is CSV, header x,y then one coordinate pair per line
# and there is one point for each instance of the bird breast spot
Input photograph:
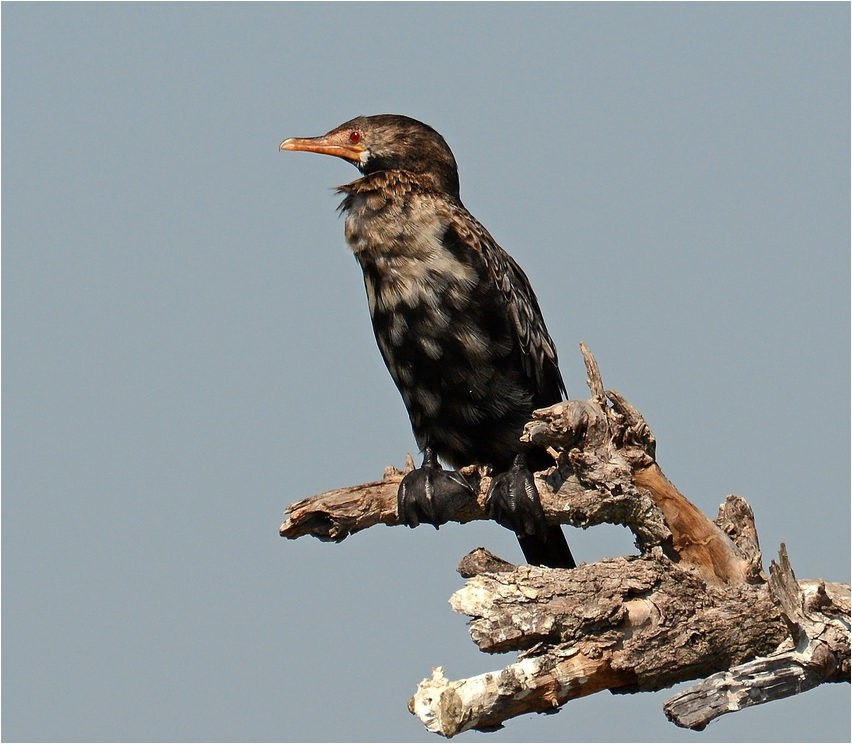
x,y
396,328
371,294
403,378
430,402
475,345
430,347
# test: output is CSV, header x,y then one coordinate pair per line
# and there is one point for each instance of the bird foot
x,y
431,494
513,501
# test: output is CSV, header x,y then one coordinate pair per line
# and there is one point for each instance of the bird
x,y
457,323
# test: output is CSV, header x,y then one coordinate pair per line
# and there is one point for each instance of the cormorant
x,y
456,321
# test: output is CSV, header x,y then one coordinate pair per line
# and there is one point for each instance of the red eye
x,y
355,138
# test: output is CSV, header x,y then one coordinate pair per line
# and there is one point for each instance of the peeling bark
x,y
815,650
695,604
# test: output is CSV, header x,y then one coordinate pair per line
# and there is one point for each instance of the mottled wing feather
x,y
537,350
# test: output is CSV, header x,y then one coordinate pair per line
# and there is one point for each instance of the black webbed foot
x,y
431,494
513,501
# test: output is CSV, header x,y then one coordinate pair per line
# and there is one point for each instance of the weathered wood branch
x,y
816,650
695,604
629,625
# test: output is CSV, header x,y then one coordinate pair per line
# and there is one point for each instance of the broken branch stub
x,y
695,604
815,650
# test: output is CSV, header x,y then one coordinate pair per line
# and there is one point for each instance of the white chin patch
x,y
364,157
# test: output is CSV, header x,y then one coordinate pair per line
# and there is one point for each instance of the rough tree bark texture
x,y
695,604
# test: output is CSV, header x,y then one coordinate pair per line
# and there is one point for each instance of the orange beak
x,y
326,145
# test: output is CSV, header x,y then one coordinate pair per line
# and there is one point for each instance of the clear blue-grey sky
x,y
187,348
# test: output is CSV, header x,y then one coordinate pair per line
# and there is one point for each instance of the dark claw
x,y
431,494
513,501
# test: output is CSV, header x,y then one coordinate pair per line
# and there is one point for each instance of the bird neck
x,y
400,182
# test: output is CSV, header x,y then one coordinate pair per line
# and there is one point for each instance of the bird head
x,y
387,142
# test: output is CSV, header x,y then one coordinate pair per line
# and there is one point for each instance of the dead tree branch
x,y
695,604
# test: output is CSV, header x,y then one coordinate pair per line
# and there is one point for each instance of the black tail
x,y
553,551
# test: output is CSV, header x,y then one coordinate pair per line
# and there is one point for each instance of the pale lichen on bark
x,y
695,604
